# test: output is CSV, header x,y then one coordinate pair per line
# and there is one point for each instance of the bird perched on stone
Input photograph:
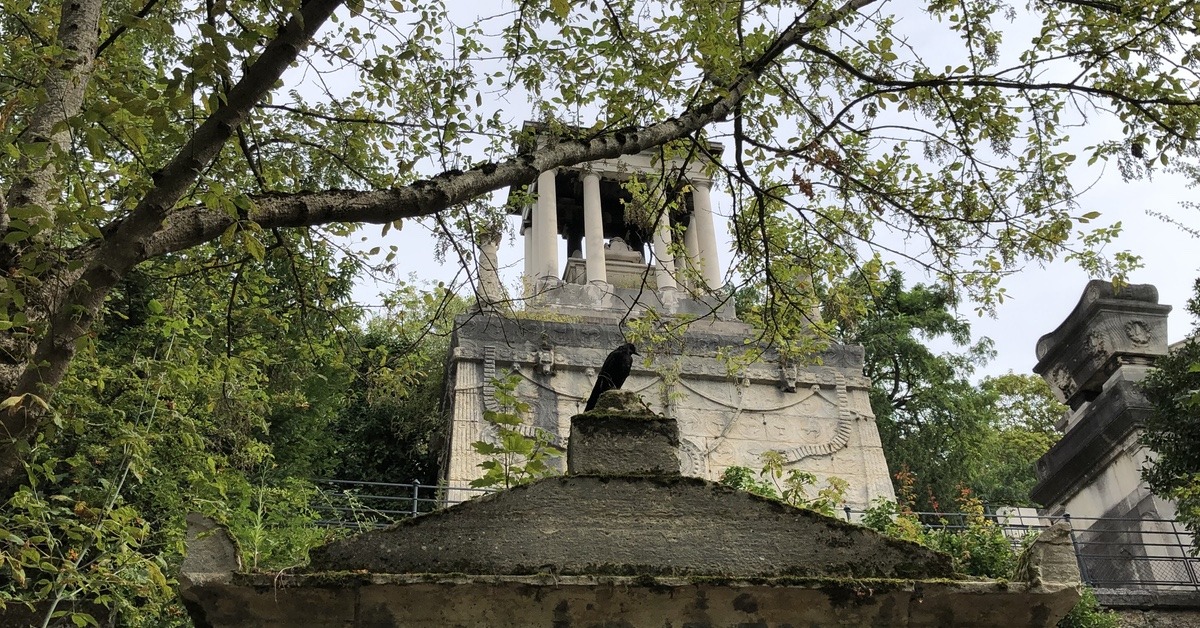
x,y
613,373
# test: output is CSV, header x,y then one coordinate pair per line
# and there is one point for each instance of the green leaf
x,y
253,246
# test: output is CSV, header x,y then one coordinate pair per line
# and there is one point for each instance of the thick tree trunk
x,y
125,244
35,192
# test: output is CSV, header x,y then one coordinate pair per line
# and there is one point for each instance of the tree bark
x,y
124,246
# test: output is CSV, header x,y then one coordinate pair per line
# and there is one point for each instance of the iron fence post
x,y
1083,574
847,509
416,494
1185,552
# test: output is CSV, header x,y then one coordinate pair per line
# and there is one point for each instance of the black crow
x,y
613,373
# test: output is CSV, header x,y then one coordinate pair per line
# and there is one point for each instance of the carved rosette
x,y
692,460
1138,332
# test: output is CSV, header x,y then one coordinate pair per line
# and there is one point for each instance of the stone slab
x,y
275,601
600,525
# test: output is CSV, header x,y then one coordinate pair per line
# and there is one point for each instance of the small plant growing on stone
x,y
793,488
514,458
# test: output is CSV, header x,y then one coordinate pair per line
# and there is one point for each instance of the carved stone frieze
x,y
692,460
727,418
1108,328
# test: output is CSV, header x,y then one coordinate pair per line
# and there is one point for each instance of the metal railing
x,y
1121,553
354,504
1113,553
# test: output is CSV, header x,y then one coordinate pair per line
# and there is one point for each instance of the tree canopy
x,y
941,432
133,131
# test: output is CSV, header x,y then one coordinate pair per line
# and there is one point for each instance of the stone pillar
x,y
491,291
545,231
530,259
664,260
593,228
706,235
466,427
692,259
622,437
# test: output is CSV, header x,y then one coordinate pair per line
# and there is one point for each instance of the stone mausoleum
x,y
817,415
623,540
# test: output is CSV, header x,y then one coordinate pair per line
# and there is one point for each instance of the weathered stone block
x,y
1049,563
622,437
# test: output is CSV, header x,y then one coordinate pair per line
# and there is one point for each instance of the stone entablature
x,y
818,416
1107,329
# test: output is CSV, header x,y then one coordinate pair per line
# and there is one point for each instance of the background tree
x,y
391,427
1022,430
941,430
1172,430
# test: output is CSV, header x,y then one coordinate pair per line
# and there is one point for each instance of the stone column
x,y
530,259
593,229
692,246
706,235
491,291
664,260
545,231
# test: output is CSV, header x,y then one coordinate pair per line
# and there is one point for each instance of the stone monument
x,y
1093,362
818,416
626,540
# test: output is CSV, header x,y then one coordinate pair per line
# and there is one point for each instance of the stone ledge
x,y
1148,599
331,600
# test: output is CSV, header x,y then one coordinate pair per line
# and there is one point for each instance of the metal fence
x,y
1118,553
352,504
1113,553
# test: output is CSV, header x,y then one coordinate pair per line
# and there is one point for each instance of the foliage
x,y
1021,431
391,425
74,542
274,524
934,422
183,401
514,457
1087,613
793,489
975,543
1172,430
